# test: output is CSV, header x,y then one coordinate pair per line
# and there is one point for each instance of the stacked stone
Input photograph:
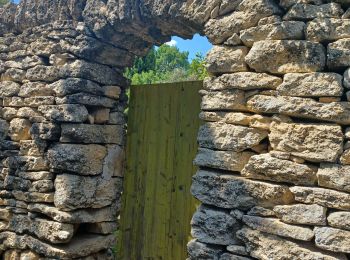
x,y
62,142
274,153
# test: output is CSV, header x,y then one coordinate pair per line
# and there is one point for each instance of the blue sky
x,y
197,44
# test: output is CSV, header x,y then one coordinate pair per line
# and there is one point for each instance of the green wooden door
x,y
157,204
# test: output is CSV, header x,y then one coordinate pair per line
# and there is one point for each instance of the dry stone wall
x,y
274,156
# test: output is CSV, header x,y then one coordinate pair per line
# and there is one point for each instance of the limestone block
x,y
224,160
34,197
65,113
338,112
232,99
19,129
228,137
30,113
239,250
114,162
32,148
45,131
338,54
302,214
227,256
276,227
334,176
4,128
286,56
43,73
198,250
289,30
31,89
214,226
9,88
229,191
313,142
81,159
264,246
13,74
332,239
324,197
327,29
74,192
243,81
29,102
42,186
270,19
286,4
339,219
310,12
87,99
77,216
266,167
311,85
221,59
69,86
36,176
89,134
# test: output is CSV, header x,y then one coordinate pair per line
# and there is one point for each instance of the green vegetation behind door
x,y
157,203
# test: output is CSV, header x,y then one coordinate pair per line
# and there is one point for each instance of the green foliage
x,y
164,65
3,2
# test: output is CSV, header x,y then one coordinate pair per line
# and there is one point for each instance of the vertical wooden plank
x,y
157,204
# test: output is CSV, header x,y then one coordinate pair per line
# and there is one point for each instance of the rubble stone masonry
x,y
274,156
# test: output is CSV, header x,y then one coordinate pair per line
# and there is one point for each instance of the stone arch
x,y
272,157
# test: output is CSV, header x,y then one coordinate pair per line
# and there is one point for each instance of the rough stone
x,y
286,56
338,112
332,239
198,250
311,142
232,99
311,85
89,134
327,29
266,167
243,81
334,176
290,30
276,227
338,54
302,214
214,226
323,197
310,12
226,59
224,160
229,137
264,246
339,219
229,191
80,159
65,113
19,129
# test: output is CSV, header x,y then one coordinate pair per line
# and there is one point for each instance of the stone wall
x,y
273,153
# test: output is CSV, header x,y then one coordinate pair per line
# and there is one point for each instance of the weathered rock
x,y
81,159
276,227
88,100
285,56
9,88
311,85
308,141
113,164
226,59
266,167
261,212
338,54
339,219
19,129
77,216
290,30
247,15
334,176
71,86
327,29
89,134
198,250
45,131
31,89
323,197
302,214
74,192
239,250
286,4
264,246
224,160
229,137
214,226
227,256
232,99
243,81
229,191
332,239
310,12
345,157
338,112
65,113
